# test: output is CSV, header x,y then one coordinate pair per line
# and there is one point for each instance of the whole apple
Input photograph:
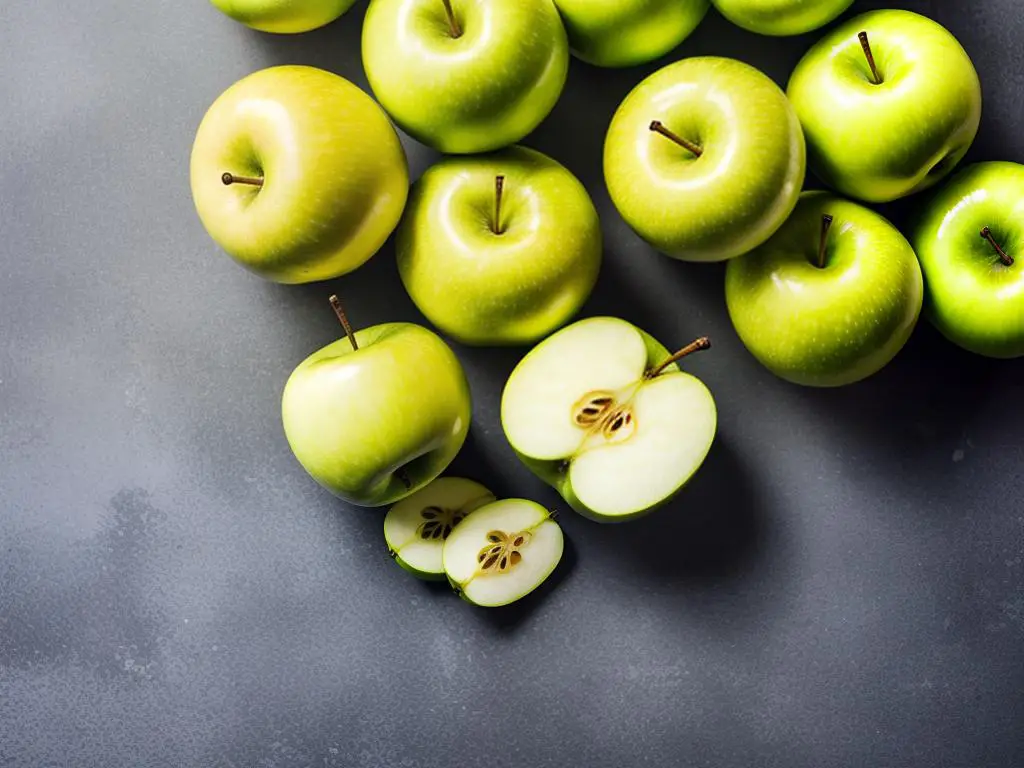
x,y
830,298
465,76
298,174
501,248
705,159
970,242
889,102
781,17
377,415
622,33
284,16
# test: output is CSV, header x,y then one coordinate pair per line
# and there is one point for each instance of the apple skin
x,y
878,143
284,16
781,17
738,192
975,300
479,92
354,418
336,178
833,326
623,33
484,288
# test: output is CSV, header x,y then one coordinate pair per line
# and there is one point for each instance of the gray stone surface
x,y
842,585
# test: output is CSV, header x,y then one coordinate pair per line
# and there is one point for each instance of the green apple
x,y
502,552
781,17
285,16
705,159
465,76
830,298
417,527
501,248
298,174
970,242
889,102
375,416
621,33
601,412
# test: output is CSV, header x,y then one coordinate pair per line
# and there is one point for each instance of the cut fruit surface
x,y
502,552
417,527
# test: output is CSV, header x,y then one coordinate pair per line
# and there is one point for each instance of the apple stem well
x,y
659,127
343,319
697,346
865,44
230,178
453,23
826,225
1004,257
499,189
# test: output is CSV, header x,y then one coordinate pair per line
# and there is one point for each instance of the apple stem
x,y
658,127
826,225
343,318
230,178
1004,257
453,23
697,346
876,78
499,188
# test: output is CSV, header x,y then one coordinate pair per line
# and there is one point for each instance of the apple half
x,y
602,412
502,552
417,527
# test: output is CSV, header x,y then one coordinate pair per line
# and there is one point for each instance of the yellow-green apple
x,y
465,76
284,16
298,174
501,248
705,159
781,17
830,298
890,103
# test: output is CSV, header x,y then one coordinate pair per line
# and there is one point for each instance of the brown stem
x,y
826,225
499,188
453,23
658,127
343,318
700,344
1004,257
876,78
230,178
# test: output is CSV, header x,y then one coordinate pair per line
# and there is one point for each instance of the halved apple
x,y
502,552
602,412
417,527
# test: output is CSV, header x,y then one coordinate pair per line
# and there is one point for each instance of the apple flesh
x,y
831,298
970,242
502,552
880,132
623,33
298,174
781,17
417,527
284,16
601,411
501,248
705,159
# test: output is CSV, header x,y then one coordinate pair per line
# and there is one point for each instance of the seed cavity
x,y
438,523
502,553
619,425
592,408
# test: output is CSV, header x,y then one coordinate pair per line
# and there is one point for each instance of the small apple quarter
x,y
284,16
601,411
417,527
502,552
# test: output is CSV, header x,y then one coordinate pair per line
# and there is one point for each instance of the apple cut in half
x,y
502,552
417,527
602,412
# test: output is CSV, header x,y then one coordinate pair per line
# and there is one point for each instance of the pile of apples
x,y
300,176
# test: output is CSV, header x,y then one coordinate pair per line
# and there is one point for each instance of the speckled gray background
x,y
843,584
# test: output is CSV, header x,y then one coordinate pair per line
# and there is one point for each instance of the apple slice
x,y
601,411
417,527
502,552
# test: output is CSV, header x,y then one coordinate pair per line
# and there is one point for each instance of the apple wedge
x,y
602,412
417,527
502,552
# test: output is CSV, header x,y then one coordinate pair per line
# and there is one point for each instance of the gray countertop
x,y
842,584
